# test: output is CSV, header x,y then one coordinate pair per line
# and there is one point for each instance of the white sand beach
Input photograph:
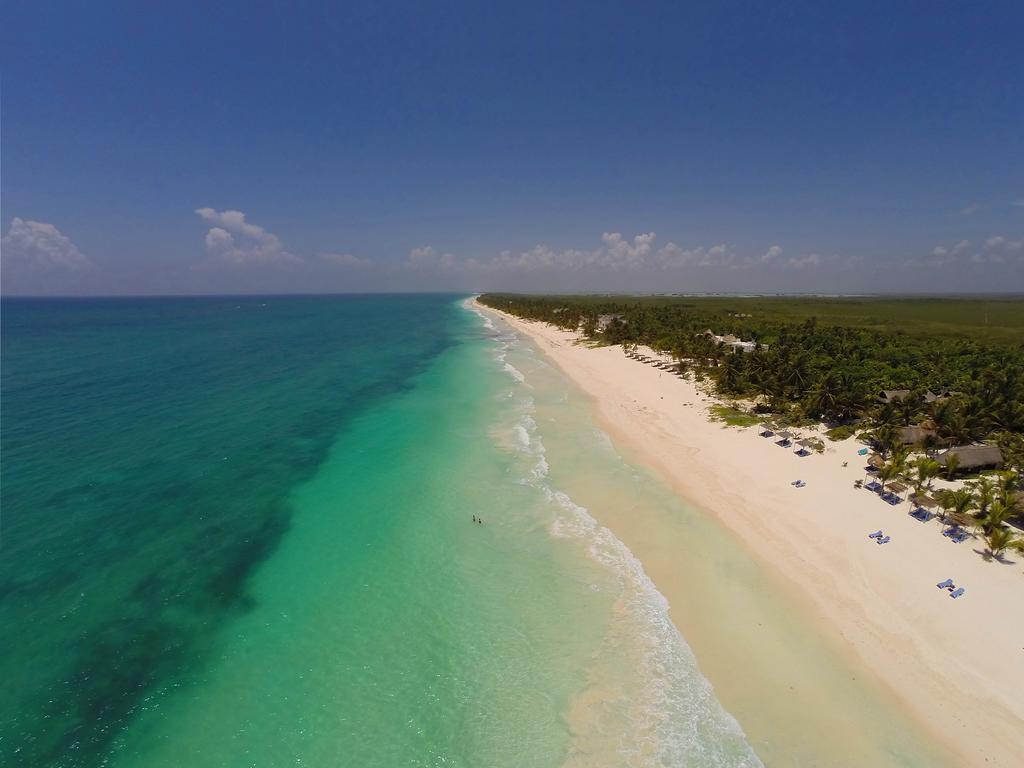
x,y
956,666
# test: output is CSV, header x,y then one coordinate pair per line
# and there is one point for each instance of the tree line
x,y
804,370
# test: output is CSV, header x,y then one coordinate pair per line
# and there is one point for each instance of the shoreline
x,y
955,667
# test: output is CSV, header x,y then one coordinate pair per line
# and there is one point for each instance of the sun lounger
x,y
767,433
875,535
891,498
883,540
952,530
802,452
920,514
862,452
960,538
947,584
784,443
874,485
956,593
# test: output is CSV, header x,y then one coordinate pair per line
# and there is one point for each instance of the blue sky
x,y
720,146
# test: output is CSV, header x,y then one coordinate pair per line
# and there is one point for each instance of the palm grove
x,y
798,370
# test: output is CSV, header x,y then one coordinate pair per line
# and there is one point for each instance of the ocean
x,y
240,532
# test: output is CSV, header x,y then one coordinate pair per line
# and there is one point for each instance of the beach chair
x,y
874,486
947,584
960,538
952,530
956,593
875,535
883,540
802,452
862,452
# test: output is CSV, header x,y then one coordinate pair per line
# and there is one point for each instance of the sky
x,y
196,148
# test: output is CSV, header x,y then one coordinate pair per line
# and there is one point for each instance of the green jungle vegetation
x,y
952,366
828,359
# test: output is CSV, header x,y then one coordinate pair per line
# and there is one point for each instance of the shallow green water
x,y
239,532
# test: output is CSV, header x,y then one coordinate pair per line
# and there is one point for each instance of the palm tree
x,y
899,457
994,517
926,469
730,375
796,375
1006,482
886,437
952,463
998,539
824,396
959,502
985,494
886,414
929,443
886,473
1010,415
906,408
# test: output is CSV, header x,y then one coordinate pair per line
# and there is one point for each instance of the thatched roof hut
x,y
913,435
892,395
942,394
974,457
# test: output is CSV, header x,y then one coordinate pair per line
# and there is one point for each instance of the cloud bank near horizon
x,y
242,256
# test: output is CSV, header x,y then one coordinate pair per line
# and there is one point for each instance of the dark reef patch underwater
x,y
149,446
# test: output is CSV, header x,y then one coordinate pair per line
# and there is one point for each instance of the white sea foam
x,y
674,712
514,372
673,717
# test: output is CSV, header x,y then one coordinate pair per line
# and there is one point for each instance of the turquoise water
x,y
239,532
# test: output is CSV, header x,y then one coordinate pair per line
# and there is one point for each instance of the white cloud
x,y
234,240
940,255
615,255
427,257
996,249
673,256
41,247
624,254
971,209
1018,203
800,262
345,260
